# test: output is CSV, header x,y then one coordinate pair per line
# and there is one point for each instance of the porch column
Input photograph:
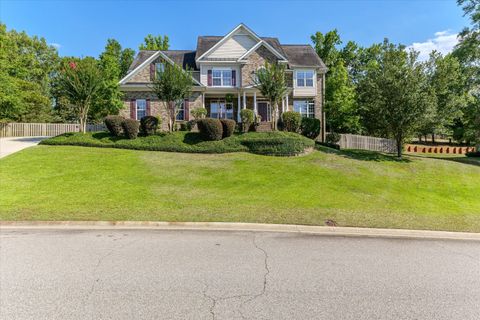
x,y
283,104
286,99
238,108
203,99
244,100
255,102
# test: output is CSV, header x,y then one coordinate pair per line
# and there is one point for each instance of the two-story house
x,y
223,69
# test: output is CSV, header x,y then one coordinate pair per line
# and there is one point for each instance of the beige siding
x,y
205,67
304,91
234,47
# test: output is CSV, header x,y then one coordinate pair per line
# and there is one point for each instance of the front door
x,y
264,111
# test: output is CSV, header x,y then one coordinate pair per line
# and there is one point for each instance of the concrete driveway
x,y
14,144
154,274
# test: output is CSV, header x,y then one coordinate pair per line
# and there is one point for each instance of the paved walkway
x,y
14,144
160,274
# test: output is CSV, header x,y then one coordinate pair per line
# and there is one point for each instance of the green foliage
x,y
310,127
291,121
228,127
149,125
173,86
130,128
332,138
266,143
114,125
272,84
80,82
394,94
210,129
152,42
475,154
199,113
25,66
247,117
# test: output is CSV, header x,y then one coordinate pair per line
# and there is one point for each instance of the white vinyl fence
x,y
353,141
43,129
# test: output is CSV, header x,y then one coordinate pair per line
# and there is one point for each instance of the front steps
x,y
264,127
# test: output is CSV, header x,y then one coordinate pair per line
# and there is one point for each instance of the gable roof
x,y
301,55
182,58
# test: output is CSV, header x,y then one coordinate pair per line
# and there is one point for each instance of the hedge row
x,y
265,143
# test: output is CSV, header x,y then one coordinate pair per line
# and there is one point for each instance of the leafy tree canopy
x,y
152,42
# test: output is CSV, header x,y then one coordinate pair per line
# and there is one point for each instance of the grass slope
x,y
353,188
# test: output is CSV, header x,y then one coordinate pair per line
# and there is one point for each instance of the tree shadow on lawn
x,y
365,155
465,160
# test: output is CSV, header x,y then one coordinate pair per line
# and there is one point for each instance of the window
x,y
221,78
305,107
305,78
221,110
141,108
159,68
181,112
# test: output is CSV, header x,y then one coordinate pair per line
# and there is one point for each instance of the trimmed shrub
x,y
310,127
199,113
247,117
210,129
130,128
148,125
276,143
291,121
332,138
114,125
228,127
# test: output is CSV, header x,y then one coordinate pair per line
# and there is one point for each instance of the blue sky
x,y
81,28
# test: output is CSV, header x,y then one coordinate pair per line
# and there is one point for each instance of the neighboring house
x,y
223,69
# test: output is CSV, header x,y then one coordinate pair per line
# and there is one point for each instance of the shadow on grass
x,y
465,160
364,155
103,135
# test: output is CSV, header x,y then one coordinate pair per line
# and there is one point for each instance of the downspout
x,y
324,123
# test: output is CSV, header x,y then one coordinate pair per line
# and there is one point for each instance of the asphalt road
x,y
125,274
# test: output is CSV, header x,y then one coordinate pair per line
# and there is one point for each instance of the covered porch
x,y
227,104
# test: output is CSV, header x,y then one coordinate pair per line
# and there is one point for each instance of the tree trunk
x,y
399,147
433,138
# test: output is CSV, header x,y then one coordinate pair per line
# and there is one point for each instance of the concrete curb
x,y
228,226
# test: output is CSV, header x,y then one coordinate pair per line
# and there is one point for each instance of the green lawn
x,y
353,188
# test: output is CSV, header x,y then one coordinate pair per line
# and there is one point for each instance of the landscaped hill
x,y
352,188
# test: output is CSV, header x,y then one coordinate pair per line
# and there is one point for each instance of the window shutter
x,y
133,109
234,78
148,107
209,79
186,111
152,71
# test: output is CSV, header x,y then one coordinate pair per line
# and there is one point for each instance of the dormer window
x,y
159,69
305,78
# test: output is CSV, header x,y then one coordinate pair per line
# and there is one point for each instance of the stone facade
x,y
254,62
143,75
157,108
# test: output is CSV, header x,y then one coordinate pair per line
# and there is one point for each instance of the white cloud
x,y
55,45
443,42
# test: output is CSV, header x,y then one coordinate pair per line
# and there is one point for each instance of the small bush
x,y
276,143
148,125
332,138
199,113
473,154
228,127
188,125
114,125
310,127
247,117
291,121
130,128
210,129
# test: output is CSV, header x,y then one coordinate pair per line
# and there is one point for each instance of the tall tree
x,y
152,42
272,84
25,66
173,85
126,60
80,82
340,97
395,93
